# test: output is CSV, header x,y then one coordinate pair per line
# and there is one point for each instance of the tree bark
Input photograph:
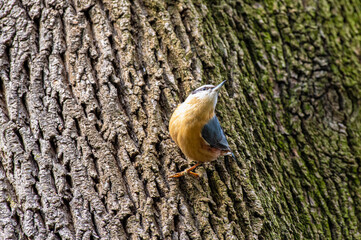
x,y
87,88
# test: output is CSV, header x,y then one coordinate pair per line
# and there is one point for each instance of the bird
x,y
195,128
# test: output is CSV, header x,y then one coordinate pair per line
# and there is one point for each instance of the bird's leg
x,y
188,170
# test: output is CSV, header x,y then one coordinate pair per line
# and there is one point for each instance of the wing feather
x,y
213,134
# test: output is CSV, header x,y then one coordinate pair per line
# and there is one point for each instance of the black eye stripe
x,y
201,89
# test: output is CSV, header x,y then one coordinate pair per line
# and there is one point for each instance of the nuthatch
x,y
196,130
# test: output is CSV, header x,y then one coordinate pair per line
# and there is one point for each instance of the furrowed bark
x,y
87,89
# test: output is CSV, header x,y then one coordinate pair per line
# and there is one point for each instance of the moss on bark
x,y
87,88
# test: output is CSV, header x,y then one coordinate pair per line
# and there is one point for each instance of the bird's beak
x,y
216,89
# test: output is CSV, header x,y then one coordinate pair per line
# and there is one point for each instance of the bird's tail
x,y
231,153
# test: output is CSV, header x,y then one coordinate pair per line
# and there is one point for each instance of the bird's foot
x,y
180,174
194,174
187,171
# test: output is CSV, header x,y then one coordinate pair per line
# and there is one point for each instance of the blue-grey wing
x,y
213,134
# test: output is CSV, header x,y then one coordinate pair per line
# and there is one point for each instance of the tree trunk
x,y
87,88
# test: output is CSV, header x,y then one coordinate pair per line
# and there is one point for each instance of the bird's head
x,y
206,94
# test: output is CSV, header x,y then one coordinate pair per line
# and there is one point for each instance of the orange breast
x,y
185,128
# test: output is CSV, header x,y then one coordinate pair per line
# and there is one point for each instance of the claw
x,y
194,174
